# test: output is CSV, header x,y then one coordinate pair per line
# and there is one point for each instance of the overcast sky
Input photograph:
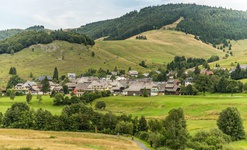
x,y
55,14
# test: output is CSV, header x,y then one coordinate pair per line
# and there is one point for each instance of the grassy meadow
x,y
201,113
13,139
46,104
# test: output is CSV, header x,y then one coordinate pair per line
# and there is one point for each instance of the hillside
x,y
7,33
160,48
67,57
210,24
15,139
240,53
4,34
25,39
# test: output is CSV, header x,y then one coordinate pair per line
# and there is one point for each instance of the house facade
x,y
172,87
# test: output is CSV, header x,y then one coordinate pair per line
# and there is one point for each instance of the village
x,y
120,85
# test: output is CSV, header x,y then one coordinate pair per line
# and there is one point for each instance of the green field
x,y
201,112
46,104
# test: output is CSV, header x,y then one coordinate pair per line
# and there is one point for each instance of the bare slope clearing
x,y
15,139
174,25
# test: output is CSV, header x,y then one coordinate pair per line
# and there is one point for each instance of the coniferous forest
x,y
209,24
27,38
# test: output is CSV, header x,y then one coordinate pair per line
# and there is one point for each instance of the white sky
x,y
55,14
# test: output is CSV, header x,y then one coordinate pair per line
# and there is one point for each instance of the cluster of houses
x,y
34,88
126,87
118,86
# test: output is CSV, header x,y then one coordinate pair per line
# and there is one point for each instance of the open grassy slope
x,y
63,55
160,47
239,49
12,139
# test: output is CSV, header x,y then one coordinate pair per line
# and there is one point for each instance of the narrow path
x,y
141,145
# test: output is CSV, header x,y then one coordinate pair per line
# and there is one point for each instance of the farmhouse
x,y
188,81
81,88
41,78
243,67
172,87
138,87
26,87
71,76
133,73
206,72
87,79
161,86
55,87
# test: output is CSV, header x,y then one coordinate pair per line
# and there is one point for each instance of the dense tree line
x,y
141,37
216,84
239,73
76,117
213,58
7,33
28,38
101,73
86,98
36,28
209,24
180,63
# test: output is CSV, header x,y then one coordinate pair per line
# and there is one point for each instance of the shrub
x,y
101,105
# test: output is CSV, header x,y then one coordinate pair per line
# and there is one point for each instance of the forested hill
x,y
10,32
27,38
210,24
4,34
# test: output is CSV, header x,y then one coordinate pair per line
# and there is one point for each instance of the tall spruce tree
x,y
197,70
45,85
55,74
29,97
142,126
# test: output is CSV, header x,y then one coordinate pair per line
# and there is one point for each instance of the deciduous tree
x,y
230,123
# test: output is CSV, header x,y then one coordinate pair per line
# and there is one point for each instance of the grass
x,y
200,112
46,104
160,48
239,51
13,139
